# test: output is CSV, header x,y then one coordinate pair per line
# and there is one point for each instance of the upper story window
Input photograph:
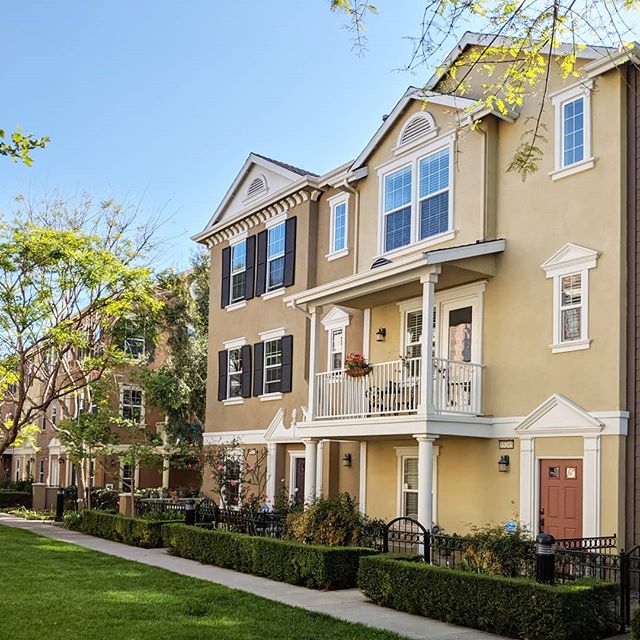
x,y
338,227
416,200
336,349
272,365
275,257
572,130
238,270
234,373
569,267
134,346
131,403
413,334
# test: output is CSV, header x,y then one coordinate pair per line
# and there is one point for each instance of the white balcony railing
x,y
393,389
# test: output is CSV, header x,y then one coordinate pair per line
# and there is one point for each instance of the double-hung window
x,y
275,257
132,404
571,300
409,487
573,131
413,335
397,208
238,271
338,227
234,373
416,200
336,349
272,365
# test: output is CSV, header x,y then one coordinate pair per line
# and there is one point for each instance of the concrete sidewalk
x,y
349,604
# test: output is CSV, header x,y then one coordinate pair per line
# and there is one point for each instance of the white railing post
x,y
426,382
314,343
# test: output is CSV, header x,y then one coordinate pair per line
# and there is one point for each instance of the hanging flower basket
x,y
356,366
359,372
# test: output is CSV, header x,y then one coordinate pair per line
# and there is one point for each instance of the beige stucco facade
x,y
509,386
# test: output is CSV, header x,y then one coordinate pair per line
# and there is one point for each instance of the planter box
x,y
312,566
513,607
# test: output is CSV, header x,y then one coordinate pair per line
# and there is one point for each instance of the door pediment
x,y
559,416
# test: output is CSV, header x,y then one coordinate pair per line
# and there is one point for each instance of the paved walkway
x,y
348,604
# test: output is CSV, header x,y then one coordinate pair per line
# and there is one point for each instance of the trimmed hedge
x,y
14,499
635,624
312,566
132,531
513,607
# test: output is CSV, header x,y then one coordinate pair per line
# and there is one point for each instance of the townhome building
x,y
45,460
497,317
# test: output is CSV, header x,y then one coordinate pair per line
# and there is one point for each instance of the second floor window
x,y
132,404
234,376
571,307
134,346
414,212
338,227
272,365
275,257
238,271
573,132
336,349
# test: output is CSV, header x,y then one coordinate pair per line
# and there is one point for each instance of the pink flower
x,y
233,483
220,467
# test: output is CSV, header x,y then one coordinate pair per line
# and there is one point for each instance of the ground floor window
x,y
126,478
41,472
409,486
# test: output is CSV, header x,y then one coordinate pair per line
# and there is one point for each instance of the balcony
x,y
395,388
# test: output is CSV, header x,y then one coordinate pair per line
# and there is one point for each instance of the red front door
x,y
561,498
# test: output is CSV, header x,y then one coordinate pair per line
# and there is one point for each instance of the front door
x,y
561,498
299,480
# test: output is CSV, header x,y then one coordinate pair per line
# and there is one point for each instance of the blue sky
x,y
162,101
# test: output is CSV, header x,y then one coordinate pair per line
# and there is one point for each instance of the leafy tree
x,y
513,60
21,145
68,276
178,386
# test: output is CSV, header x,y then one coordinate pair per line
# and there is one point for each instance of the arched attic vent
x,y
419,125
256,186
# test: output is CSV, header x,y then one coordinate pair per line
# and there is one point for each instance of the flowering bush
x,y
355,361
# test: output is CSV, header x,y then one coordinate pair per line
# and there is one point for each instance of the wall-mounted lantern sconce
x,y
346,460
381,334
60,460
503,464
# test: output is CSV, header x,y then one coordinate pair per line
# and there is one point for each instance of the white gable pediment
x,y
258,179
559,416
570,257
277,431
337,317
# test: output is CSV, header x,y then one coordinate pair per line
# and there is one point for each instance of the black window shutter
x,y
251,267
261,266
226,276
258,368
222,375
287,364
290,252
246,371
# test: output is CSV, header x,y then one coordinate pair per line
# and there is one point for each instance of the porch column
x,y
425,480
271,474
591,486
319,469
426,372
166,460
314,344
310,466
527,485
362,485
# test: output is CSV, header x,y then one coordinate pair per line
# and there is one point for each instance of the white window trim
x,y
559,99
235,343
132,387
229,374
413,160
271,334
231,401
401,148
136,477
275,290
337,318
267,397
330,351
334,203
412,452
274,293
570,259
236,305
276,220
293,456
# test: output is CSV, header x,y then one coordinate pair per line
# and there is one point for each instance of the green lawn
x,y
53,590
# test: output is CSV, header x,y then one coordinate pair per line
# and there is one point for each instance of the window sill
x,y
577,167
267,397
273,294
574,345
236,305
417,246
337,254
232,401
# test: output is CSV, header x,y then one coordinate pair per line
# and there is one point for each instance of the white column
x,y
527,497
426,376
166,460
362,487
319,469
591,487
271,474
314,344
310,466
425,480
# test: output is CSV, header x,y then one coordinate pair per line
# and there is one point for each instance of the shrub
x,y
10,498
330,521
493,551
73,520
635,623
312,566
32,514
513,607
133,531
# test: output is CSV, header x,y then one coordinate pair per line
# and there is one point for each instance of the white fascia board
x,y
613,59
438,256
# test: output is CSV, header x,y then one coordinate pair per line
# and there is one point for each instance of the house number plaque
x,y
505,444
